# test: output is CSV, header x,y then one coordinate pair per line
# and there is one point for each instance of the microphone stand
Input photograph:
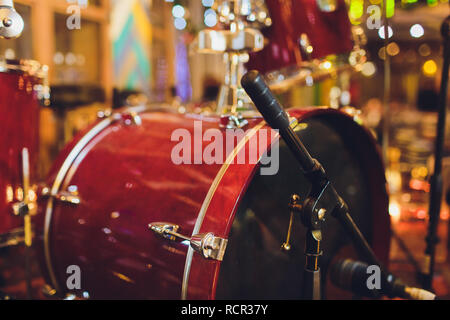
x,y
323,198
436,179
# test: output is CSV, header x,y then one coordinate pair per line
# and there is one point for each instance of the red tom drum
x,y
22,87
119,177
327,29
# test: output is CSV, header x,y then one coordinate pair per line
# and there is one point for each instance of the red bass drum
x,y
21,89
122,213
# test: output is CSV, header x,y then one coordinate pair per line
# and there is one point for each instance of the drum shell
x,y
126,179
281,48
329,33
19,110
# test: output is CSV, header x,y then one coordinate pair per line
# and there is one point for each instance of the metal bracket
x,y
233,121
206,244
61,196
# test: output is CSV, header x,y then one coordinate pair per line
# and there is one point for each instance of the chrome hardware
x,y
62,196
34,69
11,22
102,114
20,208
128,118
234,122
305,45
28,205
212,41
327,5
234,42
166,230
208,245
12,238
294,205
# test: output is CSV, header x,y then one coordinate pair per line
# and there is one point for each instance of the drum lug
x,y
128,118
233,122
206,244
62,196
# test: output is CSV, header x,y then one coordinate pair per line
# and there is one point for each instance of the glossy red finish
x,y
328,33
19,111
281,49
126,180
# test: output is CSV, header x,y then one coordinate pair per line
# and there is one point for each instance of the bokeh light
x,y
210,18
368,69
417,31
429,68
178,11
180,23
381,32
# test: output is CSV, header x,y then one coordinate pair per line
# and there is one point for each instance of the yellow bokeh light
x,y
356,9
393,49
429,68
327,65
394,211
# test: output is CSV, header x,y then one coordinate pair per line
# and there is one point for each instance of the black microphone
x,y
275,116
353,276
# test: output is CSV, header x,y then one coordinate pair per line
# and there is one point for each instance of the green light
x,y
390,8
432,3
356,9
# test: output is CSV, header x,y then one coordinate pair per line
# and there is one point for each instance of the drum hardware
x,y
234,43
306,46
323,196
11,23
436,187
128,118
25,209
233,121
307,75
207,244
295,201
32,68
255,11
102,114
327,5
61,196
13,238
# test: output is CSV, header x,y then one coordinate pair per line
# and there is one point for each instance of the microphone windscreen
x,y
265,102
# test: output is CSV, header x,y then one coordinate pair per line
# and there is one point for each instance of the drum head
x,y
254,266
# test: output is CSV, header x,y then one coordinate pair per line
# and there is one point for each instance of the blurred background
x,y
142,51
